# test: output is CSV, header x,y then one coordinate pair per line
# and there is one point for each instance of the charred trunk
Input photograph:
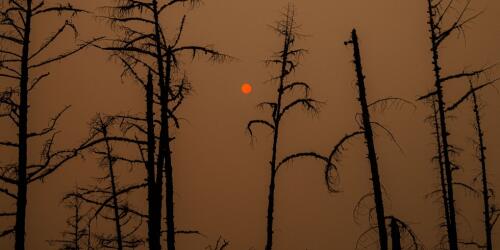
x,y
395,235
372,155
22,182
451,226
169,177
484,177
114,194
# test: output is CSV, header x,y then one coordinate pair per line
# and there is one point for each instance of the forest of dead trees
x,y
150,54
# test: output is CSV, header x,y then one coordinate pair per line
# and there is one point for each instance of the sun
x,y
246,88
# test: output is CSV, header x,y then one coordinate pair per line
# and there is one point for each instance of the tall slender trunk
x,y
451,226
156,202
484,177
22,182
442,177
169,177
150,165
276,119
372,155
395,235
270,207
113,193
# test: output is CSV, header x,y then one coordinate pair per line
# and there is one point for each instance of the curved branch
x,y
255,122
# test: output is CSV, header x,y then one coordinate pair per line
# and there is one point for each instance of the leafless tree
x,y
287,61
22,68
73,238
440,29
142,45
109,199
367,129
489,211
434,121
368,134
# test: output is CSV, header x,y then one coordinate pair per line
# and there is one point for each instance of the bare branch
x,y
308,103
66,54
292,157
254,122
8,193
469,93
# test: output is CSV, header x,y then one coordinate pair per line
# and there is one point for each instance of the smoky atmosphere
x,y
249,125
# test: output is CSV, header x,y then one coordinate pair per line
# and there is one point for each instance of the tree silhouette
x,y
438,12
73,238
368,134
488,208
490,213
287,61
395,235
109,200
367,130
434,120
150,49
22,67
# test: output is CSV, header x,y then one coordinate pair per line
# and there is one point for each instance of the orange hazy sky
x,y
221,175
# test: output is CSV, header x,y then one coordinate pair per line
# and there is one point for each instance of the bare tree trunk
x,y
116,211
169,177
442,177
372,155
270,211
484,177
157,202
451,226
395,235
152,230
22,182
276,118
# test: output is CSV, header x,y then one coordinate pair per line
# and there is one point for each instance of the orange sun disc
x,y
246,88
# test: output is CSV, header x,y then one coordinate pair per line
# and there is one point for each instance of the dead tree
x,y
434,119
395,235
109,200
368,134
490,213
438,13
287,61
22,69
122,213
367,126
481,148
151,50
73,238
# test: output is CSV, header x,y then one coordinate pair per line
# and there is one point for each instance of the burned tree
x,y
287,61
434,120
73,238
438,15
367,129
490,213
488,208
368,134
149,49
108,199
22,70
